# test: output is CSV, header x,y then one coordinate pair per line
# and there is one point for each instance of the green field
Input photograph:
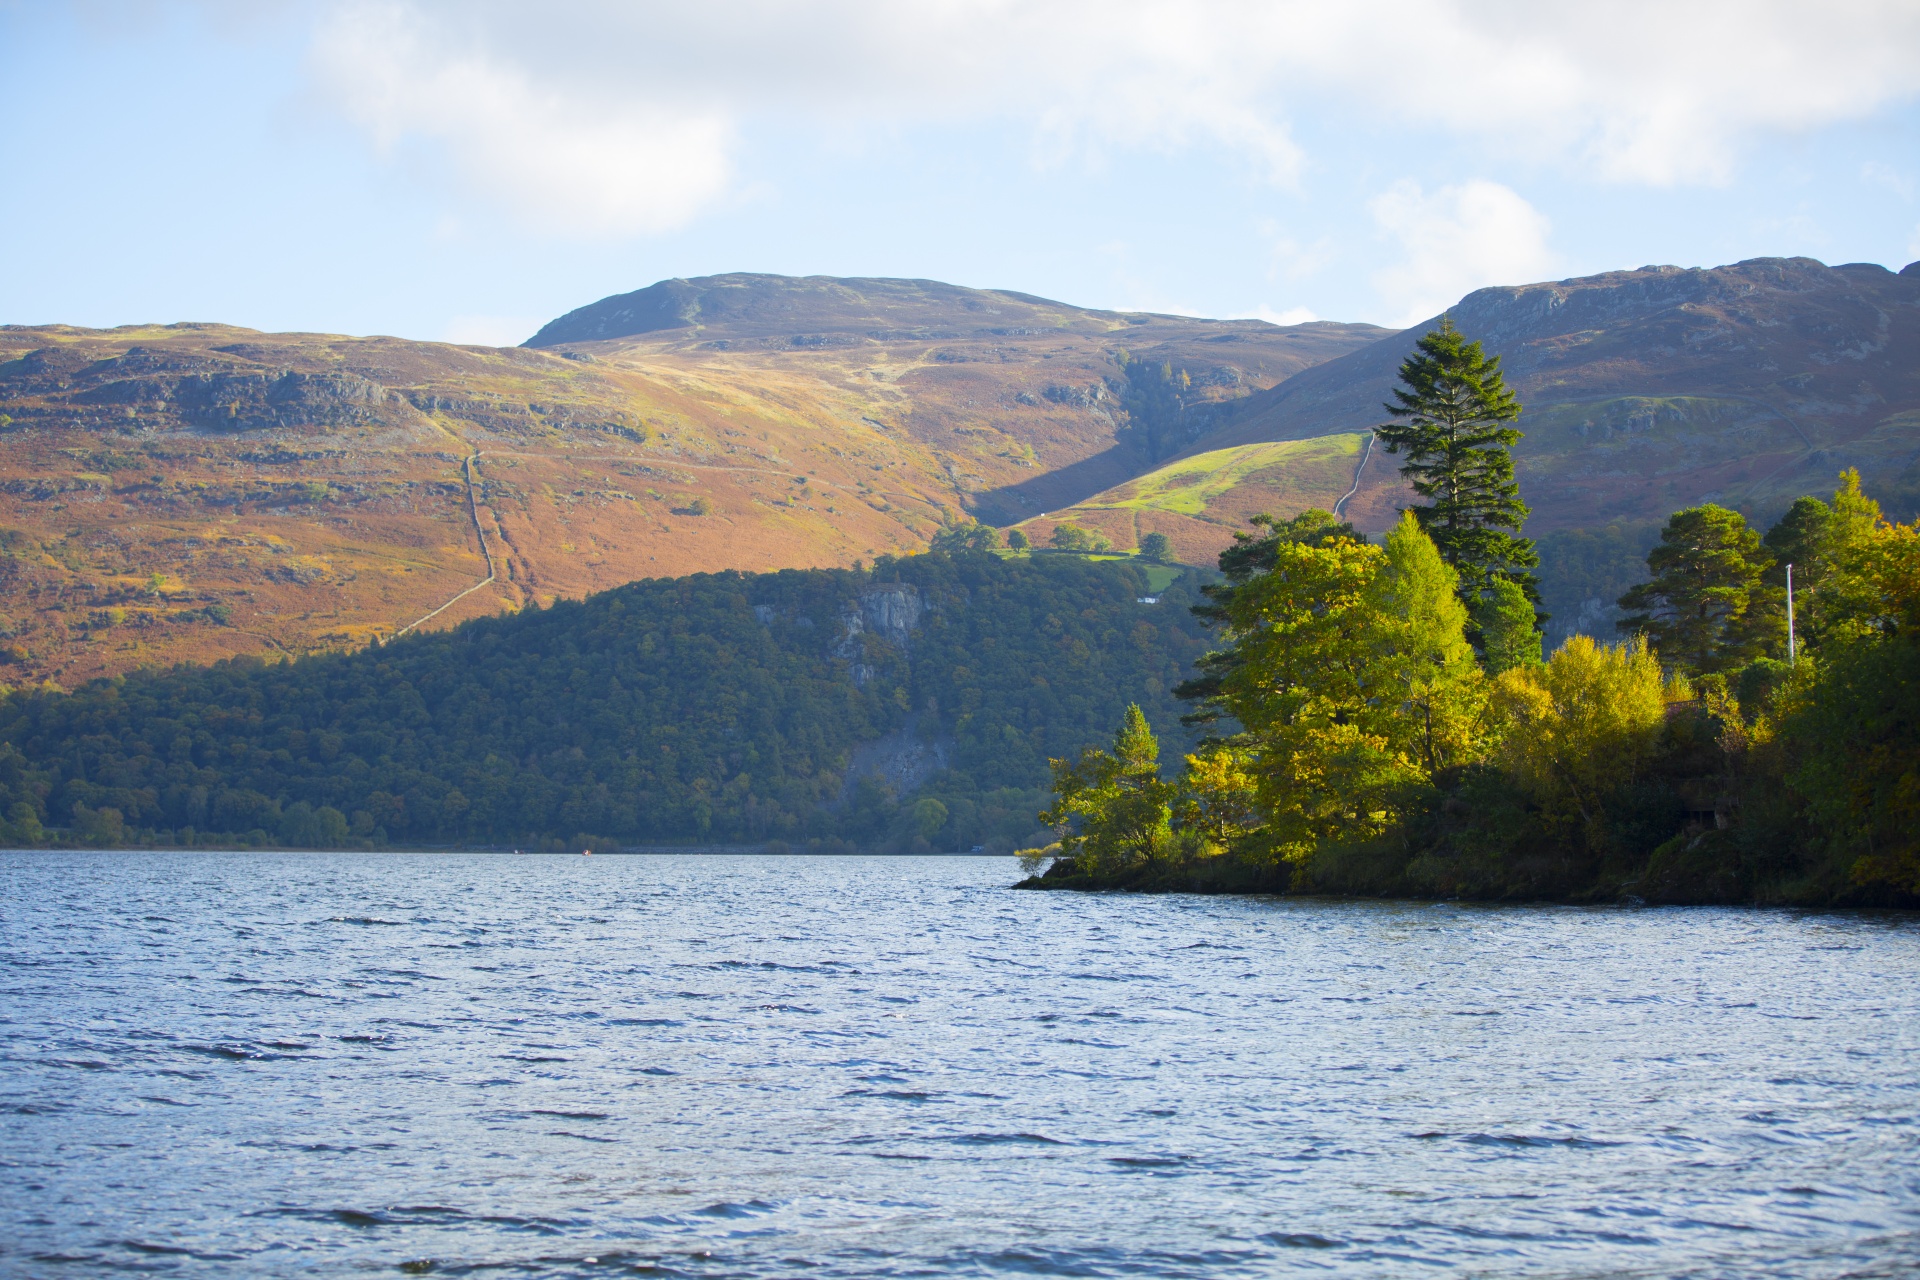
x,y
1191,486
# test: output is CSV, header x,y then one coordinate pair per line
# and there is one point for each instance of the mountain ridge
x,y
195,491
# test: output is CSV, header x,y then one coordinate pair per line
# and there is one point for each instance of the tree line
x,y
714,708
1381,719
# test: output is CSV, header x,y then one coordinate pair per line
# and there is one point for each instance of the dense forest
x,y
909,707
1383,719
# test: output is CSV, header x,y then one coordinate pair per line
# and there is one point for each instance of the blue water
x,y
351,1065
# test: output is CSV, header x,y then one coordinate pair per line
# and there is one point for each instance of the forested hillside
x,y
910,706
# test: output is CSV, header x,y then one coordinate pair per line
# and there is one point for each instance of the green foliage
x,y
1250,557
1352,679
1154,403
1373,757
1855,743
1505,619
1582,726
1155,546
1454,406
967,537
1017,540
1699,607
718,707
1112,810
1071,537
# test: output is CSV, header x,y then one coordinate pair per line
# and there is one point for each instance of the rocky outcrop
x,y
902,761
886,612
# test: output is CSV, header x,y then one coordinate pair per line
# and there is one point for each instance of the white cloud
x,y
1455,240
561,159
616,116
490,331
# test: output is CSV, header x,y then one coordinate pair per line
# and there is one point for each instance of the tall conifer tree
x,y
1453,411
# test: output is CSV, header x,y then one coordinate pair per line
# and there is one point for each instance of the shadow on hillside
x,y
1060,489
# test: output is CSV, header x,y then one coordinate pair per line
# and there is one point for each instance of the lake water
x,y
350,1065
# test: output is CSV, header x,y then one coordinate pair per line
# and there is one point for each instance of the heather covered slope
x,y
1645,391
188,492
1029,404
1648,390
191,492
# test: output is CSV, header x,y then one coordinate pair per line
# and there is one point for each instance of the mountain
x,y
1645,391
1648,390
193,491
1028,404
189,492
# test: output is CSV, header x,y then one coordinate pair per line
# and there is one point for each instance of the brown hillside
x,y
1021,398
1653,389
187,492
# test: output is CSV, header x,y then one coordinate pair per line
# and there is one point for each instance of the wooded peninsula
x,y
1383,721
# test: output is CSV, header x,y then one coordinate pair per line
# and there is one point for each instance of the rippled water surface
x,y
731,1066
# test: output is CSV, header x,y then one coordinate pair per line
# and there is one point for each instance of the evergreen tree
x,y
1455,408
1508,636
1695,609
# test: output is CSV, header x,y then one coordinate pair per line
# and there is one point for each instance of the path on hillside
x,y
1366,451
493,572
473,502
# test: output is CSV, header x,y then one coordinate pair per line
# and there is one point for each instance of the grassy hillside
x,y
910,706
1201,500
1646,391
192,492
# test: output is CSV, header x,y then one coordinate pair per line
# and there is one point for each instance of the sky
x,y
467,171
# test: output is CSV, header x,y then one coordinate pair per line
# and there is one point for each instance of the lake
x,y
367,1064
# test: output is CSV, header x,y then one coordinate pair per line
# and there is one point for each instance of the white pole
x,y
1790,653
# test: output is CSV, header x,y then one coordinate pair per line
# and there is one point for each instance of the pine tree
x,y
1455,408
1694,610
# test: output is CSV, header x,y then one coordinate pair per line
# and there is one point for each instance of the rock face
x,y
224,389
892,610
885,612
1663,386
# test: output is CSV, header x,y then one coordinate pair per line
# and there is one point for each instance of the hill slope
x,y
1653,389
1030,404
189,492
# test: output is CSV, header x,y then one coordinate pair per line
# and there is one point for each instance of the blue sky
x,y
467,171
